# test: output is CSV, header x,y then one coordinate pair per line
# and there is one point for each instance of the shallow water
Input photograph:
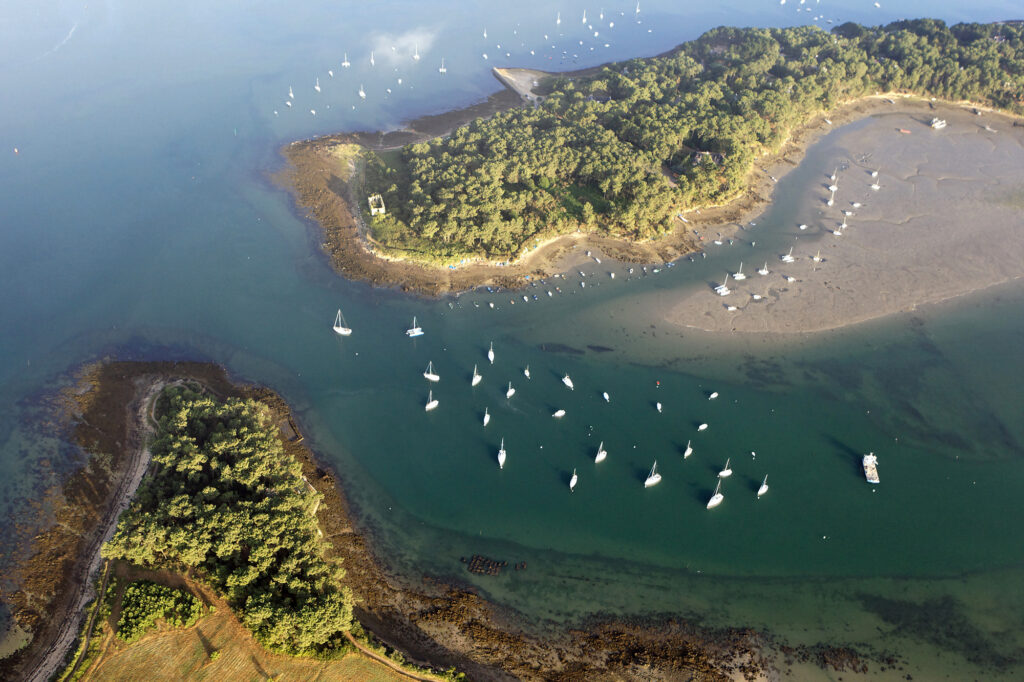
x,y
138,220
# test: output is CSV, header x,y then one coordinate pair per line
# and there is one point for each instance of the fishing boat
x,y
572,481
431,402
763,271
601,453
738,275
429,375
510,392
526,372
714,394
558,414
490,353
501,455
717,498
476,377
726,472
653,478
487,417
339,325
764,486
870,464
567,381
702,427
414,330
688,451
607,398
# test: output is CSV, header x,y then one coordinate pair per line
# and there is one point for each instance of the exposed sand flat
x,y
947,220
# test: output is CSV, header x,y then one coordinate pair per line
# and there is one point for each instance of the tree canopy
x,y
622,151
223,499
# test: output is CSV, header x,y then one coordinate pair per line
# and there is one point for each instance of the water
x,y
139,220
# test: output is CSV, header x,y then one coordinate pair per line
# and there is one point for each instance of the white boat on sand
x,y
653,478
339,325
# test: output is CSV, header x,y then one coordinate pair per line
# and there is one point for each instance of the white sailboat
x,y
339,325
372,62
558,19
485,34
717,498
558,414
817,257
429,375
601,453
362,93
442,69
584,16
653,478
702,427
875,186
476,377
431,402
572,481
607,398
317,86
291,95
714,394
487,417
657,406
490,353
416,52
764,271
723,288
726,472
688,451
738,275
526,372
414,330
510,392
764,486
501,455
346,63
568,382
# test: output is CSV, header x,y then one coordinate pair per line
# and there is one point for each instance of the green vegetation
x,y
223,501
144,603
622,151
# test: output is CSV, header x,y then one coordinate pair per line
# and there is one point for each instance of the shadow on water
x,y
850,457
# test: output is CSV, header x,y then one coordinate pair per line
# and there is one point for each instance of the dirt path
x,y
140,409
386,661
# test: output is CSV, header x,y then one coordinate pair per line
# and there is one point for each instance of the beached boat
x,y
723,288
738,275
726,472
717,498
875,186
688,451
567,381
501,455
431,402
870,464
476,377
601,453
510,392
487,417
429,375
558,414
702,427
339,325
764,271
938,123
787,257
817,257
764,486
490,353
414,330
653,478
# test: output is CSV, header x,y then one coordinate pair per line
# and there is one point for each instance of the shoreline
x,y
436,622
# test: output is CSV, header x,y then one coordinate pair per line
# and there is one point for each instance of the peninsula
x,y
624,156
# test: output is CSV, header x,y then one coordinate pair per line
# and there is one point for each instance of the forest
x,y
223,503
623,151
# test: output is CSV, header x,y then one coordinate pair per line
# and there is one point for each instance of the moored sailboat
x,y
717,498
726,472
653,478
764,486
573,480
414,330
601,453
430,375
431,402
501,455
476,377
339,325
567,381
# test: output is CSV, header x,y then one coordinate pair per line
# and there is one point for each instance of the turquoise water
x,y
138,220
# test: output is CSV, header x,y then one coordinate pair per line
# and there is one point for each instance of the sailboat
x,y
558,414
431,403
416,52
526,372
653,478
572,481
723,288
485,34
442,69
764,486
429,374
501,455
601,453
726,472
317,86
763,271
372,62
717,498
738,275
487,417
584,16
702,427
362,93
817,257
567,381
490,353
558,19
291,95
714,394
607,398
657,406
345,64
688,451
476,377
510,392
414,330
339,325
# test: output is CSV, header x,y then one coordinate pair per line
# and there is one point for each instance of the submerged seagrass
x,y
623,150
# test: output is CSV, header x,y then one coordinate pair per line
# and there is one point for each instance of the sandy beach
x,y
944,222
